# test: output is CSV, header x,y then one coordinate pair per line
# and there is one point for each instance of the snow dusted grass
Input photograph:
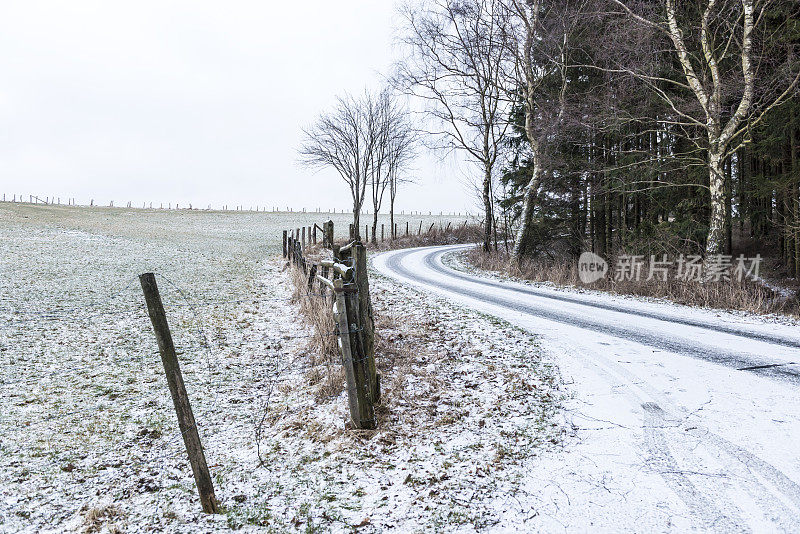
x,y
746,296
88,436
466,401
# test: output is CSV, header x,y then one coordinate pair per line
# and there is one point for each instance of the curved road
x,y
683,418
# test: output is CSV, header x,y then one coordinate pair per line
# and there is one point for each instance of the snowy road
x,y
683,418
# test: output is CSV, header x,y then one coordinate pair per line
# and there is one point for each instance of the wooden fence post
x,y
312,275
284,243
327,234
382,232
366,317
345,310
186,422
304,237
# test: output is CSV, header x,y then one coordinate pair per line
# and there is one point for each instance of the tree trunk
x,y
391,215
743,166
715,243
728,210
357,222
374,225
487,207
795,197
522,246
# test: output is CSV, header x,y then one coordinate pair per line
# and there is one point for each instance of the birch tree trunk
x,y
529,14
716,229
523,239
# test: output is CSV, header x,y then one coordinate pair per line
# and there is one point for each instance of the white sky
x,y
189,101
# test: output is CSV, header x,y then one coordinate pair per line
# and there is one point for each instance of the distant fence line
x,y
71,201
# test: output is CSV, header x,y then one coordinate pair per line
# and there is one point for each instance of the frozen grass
x,y
88,438
467,401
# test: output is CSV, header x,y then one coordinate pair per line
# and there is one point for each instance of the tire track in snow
x,y
750,471
666,342
431,261
661,460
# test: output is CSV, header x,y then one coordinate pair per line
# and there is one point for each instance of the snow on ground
x,y
670,433
88,437
459,261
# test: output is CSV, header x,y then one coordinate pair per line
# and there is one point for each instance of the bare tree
x,y
393,147
344,139
379,118
722,48
457,56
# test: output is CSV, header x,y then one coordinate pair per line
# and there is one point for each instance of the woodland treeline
x,y
616,126
608,125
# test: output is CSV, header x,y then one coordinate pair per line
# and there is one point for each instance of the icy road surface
x,y
684,418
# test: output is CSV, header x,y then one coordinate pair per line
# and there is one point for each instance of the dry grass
x,y
743,295
315,307
396,349
430,236
101,519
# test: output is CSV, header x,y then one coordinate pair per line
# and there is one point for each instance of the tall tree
x,y
721,48
344,139
457,60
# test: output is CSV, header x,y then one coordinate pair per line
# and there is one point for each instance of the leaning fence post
x,y
345,309
284,243
186,422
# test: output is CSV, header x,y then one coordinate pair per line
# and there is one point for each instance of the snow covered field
x,y
507,406
88,438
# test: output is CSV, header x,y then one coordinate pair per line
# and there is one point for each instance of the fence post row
x,y
353,315
186,421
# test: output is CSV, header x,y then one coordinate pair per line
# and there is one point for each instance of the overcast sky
x,y
190,101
